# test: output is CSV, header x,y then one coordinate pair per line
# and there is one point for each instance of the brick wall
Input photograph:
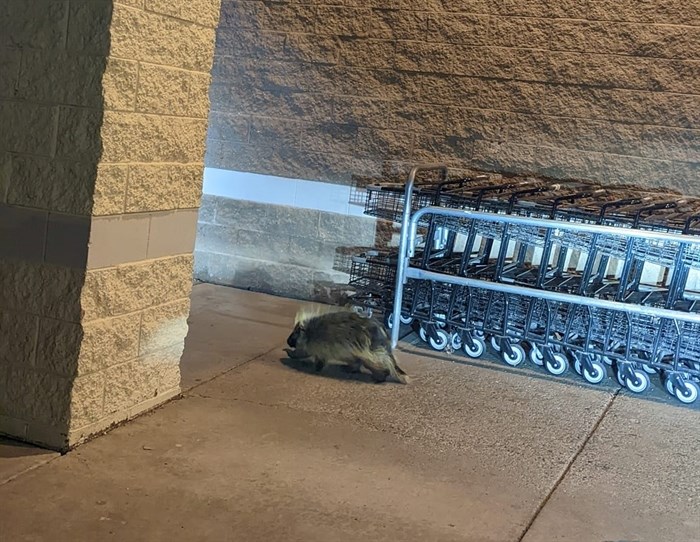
x,y
598,89
100,181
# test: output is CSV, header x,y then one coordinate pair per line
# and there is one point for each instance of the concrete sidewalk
x,y
262,449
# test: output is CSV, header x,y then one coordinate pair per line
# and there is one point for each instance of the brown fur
x,y
345,337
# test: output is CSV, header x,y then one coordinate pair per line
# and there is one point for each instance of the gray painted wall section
x,y
276,249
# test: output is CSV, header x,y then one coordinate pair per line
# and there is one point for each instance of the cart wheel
x,y
577,367
479,334
440,341
597,373
670,388
365,312
557,365
517,358
689,393
639,383
620,379
494,343
406,320
477,350
422,334
648,369
456,341
536,356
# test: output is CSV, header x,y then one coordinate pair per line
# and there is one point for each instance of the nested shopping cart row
x,y
560,273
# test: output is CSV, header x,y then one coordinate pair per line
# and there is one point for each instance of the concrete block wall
x,y
279,235
50,115
598,89
278,249
101,180
147,193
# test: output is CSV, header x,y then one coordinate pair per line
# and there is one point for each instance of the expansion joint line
x,y
566,470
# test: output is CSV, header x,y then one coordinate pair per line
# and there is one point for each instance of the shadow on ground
x,y
331,370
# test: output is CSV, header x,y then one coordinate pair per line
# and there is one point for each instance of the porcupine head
x,y
302,316
297,339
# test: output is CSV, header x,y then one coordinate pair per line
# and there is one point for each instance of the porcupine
x,y
345,337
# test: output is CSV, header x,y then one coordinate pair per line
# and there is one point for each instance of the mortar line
x,y
175,17
35,345
139,338
567,469
137,88
66,28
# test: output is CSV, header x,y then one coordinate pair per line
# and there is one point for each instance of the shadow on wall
x,y
606,92
53,58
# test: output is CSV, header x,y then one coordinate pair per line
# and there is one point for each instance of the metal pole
x,y
402,260
422,274
545,223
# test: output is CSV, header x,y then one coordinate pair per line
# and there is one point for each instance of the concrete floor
x,y
261,449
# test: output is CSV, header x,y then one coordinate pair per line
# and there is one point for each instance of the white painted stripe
x,y
328,197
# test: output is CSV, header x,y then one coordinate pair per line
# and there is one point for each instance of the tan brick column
x,y
102,130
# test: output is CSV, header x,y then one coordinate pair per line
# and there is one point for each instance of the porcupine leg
x,y
296,354
319,364
379,372
352,366
395,364
387,359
